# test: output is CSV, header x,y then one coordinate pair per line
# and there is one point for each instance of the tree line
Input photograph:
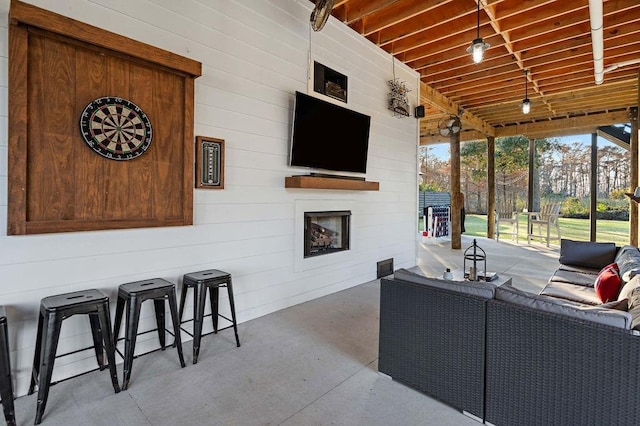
x,y
561,172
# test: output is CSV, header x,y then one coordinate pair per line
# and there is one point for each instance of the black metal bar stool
x,y
6,385
55,309
133,294
211,279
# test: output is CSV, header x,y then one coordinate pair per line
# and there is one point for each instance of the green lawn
x,y
616,231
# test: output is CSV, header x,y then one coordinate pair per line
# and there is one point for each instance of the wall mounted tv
x,y
327,136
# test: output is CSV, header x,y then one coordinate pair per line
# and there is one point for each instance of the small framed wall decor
x,y
209,163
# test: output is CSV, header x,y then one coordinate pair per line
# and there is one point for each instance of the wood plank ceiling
x,y
550,39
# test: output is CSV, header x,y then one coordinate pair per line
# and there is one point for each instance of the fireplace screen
x,y
326,232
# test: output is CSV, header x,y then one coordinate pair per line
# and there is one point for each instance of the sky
x,y
442,150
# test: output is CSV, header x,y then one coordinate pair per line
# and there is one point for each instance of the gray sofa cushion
x,y
628,260
621,305
577,293
634,309
629,287
587,254
581,269
476,288
569,308
573,277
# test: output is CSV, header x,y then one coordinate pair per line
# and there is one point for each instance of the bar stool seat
x,y
133,294
212,280
55,309
6,384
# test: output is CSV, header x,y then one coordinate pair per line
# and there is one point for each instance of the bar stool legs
x,y
96,332
53,310
6,385
214,293
132,295
202,281
232,304
43,367
198,315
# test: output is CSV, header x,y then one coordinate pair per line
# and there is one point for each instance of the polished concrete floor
x,y
311,364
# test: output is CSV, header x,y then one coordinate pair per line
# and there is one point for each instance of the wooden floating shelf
x,y
316,182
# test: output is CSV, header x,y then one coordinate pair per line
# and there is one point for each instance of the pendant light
x,y
478,46
526,104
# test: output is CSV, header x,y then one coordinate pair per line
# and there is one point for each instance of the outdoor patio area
x,y
530,265
313,363
283,156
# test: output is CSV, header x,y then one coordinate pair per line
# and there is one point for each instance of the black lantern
x,y
474,254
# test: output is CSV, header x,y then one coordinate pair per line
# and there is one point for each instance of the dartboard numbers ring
x,y
116,128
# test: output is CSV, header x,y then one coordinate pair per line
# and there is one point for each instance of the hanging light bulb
x,y
477,49
526,103
478,46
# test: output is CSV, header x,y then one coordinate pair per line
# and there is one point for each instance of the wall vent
x,y
384,268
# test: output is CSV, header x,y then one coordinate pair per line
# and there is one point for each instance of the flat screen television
x,y
327,136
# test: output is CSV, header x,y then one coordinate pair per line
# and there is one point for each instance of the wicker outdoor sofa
x,y
550,369
432,337
507,357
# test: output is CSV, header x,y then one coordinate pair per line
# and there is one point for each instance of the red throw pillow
x,y
607,283
613,265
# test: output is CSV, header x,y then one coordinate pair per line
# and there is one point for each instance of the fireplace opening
x,y
326,232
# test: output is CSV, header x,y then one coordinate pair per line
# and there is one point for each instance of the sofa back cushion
x,y
474,288
586,253
634,309
597,314
628,287
628,260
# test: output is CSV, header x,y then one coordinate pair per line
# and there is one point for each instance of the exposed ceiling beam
x,y
549,38
429,27
545,129
435,98
611,138
564,126
350,12
399,12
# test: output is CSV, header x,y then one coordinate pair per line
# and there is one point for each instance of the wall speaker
x,y
419,111
384,268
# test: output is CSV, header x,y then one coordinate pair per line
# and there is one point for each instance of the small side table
x,y
458,275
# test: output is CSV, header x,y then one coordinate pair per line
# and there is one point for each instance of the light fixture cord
x,y
478,26
526,86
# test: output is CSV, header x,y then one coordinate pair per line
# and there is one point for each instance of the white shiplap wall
x,y
254,55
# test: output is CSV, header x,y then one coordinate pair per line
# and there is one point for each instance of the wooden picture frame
x,y
56,183
209,163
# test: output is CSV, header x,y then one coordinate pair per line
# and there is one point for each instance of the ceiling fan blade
x,y
320,14
445,131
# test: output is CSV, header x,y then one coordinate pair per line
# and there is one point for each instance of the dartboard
x,y
116,128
